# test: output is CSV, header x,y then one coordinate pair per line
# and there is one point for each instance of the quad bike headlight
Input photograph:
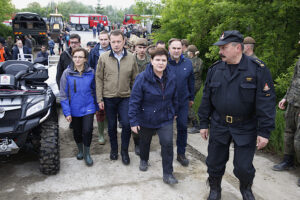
x,y
35,108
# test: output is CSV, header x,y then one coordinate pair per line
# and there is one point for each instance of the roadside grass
x,y
276,140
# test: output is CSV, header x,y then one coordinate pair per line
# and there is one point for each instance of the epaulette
x,y
215,63
258,62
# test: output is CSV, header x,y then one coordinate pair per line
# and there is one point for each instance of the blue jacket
x,y
184,79
153,101
77,92
94,56
16,52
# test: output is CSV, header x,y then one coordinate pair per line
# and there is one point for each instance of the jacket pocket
x,y
214,86
248,91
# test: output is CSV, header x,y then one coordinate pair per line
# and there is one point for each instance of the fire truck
x,y
86,21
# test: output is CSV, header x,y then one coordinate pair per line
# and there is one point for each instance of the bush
x,y
276,141
5,31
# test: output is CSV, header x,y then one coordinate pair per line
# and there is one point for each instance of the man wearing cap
x,y
238,105
292,130
142,61
141,58
94,55
183,69
192,53
249,47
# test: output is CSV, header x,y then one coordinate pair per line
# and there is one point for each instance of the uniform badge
x,y
248,79
266,88
222,37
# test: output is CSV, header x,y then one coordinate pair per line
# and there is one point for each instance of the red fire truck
x,y
130,19
86,21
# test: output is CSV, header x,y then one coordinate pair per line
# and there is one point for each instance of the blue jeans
x,y
51,51
182,120
115,107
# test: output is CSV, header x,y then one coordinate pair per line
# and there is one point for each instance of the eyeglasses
x,y
78,57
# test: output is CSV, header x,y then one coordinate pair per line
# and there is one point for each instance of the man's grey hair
x,y
236,43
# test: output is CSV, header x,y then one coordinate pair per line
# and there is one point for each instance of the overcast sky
x,y
116,3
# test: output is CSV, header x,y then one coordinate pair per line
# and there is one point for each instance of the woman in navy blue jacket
x,y
78,101
152,109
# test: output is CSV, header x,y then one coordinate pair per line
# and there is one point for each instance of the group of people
x,y
147,90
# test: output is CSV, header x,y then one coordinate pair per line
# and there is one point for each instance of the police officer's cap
x,y
249,40
141,41
230,36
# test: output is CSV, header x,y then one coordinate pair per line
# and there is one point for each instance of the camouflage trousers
x,y
192,114
292,131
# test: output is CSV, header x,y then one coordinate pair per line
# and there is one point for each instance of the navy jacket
x,y
77,92
184,79
247,93
153,101
16,52
94,56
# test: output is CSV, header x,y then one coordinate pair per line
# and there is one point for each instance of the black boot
x,y
246,191
215,188
125,157
286,164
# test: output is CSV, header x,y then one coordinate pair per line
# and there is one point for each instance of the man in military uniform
x,y
238,105
249,43
292,117
142,60
192,53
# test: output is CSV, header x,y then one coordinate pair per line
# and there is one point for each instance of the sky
x,y
115,3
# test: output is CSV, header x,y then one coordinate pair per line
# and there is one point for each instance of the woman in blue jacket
x,y
152,109
78,101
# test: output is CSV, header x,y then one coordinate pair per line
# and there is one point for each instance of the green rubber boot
x,y
79,155
101,133
87,157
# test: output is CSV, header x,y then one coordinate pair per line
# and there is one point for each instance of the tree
x,y
99,9
35,7
6,10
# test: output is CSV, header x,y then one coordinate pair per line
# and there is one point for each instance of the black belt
x,y
230,119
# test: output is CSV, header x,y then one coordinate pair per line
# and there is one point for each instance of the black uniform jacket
x,y
241,105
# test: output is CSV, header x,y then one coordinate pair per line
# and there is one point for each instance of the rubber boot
x,y
215,188
87,157
101,133
286,164
246,191
79,155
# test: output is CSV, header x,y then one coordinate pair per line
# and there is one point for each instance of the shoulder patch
x,y
215,63
259,62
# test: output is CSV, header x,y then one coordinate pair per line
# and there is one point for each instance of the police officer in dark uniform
x,y
238,105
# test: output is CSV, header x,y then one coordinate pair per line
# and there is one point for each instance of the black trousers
x,y
83,129
218,155
165,135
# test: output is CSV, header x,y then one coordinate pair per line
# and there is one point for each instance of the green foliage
x,y
147,7
276,140
5,31
35,7
6,10
283,81
275,25
99,8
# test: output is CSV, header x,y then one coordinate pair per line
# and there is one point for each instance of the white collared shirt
x,y
21,52
119,57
